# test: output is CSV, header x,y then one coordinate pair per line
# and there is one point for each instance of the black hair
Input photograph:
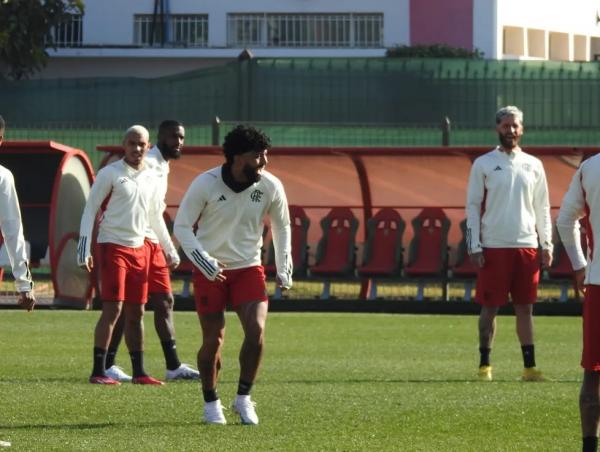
x,y
2,123
168,124
243,139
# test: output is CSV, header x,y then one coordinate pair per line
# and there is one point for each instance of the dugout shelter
x,y
367,180
53,182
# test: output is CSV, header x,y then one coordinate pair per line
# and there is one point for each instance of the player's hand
x,y
89,263
172,263
26,300
579,277
220,275
212,268
546,258
477,259
283,285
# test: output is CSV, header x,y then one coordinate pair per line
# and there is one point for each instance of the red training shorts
x,y
242,286
159,278
123,273
508,270
590,357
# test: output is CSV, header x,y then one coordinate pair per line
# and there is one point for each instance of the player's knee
x,y
212,344
589,396
134,314
590,400
255,334
162,303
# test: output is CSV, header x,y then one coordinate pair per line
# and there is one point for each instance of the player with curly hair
x,y
229,203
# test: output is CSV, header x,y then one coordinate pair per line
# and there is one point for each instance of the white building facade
x,y
150,38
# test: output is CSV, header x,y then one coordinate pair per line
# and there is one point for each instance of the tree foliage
x,y
433,51
26,32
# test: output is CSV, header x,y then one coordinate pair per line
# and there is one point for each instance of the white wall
x,y
485,26
567,16
110,22
574,17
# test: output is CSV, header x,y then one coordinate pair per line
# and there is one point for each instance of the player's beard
x,y
509,143
252,173
172,153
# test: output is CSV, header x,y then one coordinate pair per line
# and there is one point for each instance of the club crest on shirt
x,y
256,195
122,180
526,167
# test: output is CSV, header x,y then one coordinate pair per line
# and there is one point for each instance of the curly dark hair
x,y
243,139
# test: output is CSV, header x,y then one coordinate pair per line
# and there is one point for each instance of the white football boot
x,y
245,407
117,373
183,372
213,413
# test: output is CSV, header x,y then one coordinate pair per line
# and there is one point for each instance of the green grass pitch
x,y
329,382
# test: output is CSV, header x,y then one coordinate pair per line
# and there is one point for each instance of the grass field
x,y
343,382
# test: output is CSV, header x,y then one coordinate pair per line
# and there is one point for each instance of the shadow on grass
x,y
60,426
414,380
69,380
95,426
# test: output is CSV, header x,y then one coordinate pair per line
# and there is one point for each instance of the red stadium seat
x,y
383,248
463,268
561,270
300,223
336,251
428,256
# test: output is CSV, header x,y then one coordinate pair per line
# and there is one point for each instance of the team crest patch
x,y
527,167
256,195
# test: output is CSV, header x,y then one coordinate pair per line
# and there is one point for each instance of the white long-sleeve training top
x,y
12,231
507,202
156,161
230,224
582,200
133,205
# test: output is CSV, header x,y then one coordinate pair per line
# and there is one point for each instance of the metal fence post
x,y
446,126
216,131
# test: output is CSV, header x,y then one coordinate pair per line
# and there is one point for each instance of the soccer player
x,y
132,204
12,233
171,135
583,200
507,209
229,203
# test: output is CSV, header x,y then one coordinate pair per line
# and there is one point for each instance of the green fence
x,y
319,102
316,135
332,91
